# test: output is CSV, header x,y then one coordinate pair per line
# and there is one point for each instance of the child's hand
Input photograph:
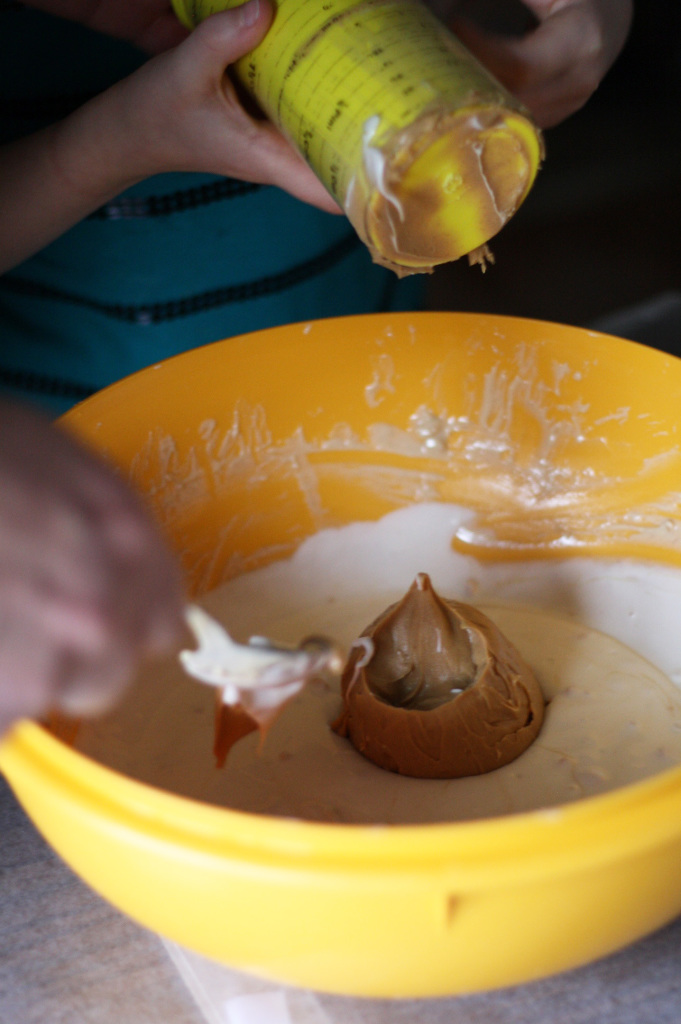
x,y
87,587
555,68
181,112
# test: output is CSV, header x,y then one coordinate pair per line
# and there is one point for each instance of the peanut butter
x,y
434,690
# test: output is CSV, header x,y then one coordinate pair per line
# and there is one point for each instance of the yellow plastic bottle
x,y
427,154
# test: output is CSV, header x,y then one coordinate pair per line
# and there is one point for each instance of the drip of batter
x,y
439,692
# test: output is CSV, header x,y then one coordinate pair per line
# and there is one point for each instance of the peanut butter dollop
x,y
437,691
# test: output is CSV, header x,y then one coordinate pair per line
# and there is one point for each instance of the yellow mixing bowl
x,y
245,447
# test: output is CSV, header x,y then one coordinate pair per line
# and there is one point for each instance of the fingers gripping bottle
x,y
427,154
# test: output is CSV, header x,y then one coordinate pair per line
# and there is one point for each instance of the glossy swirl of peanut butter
x,y
439,692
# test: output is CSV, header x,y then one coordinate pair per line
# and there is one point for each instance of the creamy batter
x,y
613,714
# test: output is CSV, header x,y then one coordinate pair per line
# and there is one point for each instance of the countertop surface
x,y
66,956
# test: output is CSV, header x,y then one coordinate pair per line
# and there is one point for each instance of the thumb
x,y
224,37
544,9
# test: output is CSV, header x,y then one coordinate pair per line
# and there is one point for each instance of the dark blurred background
x,y
598,240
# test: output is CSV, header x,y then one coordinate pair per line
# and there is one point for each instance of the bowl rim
x,y
402,317
563,839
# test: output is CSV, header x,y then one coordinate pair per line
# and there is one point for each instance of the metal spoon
x,y
263,672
